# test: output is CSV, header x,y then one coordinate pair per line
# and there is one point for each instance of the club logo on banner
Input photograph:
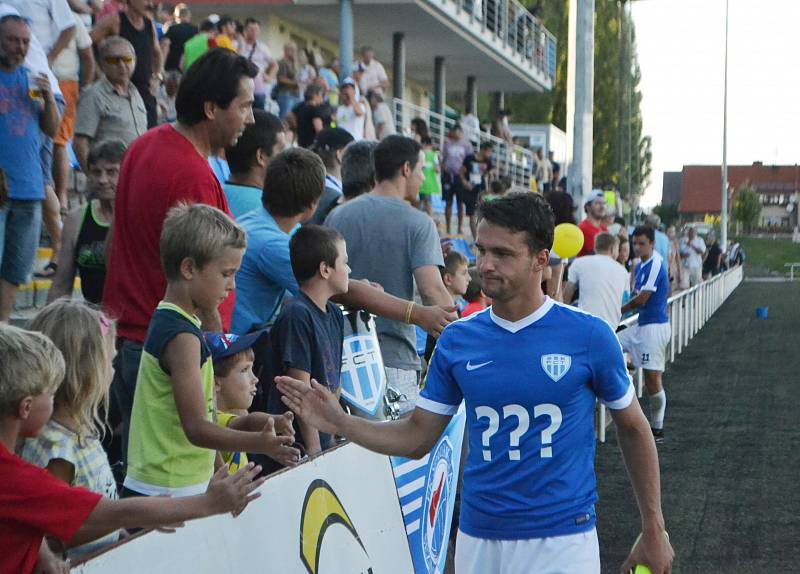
x,y
427,492
322,510
363,379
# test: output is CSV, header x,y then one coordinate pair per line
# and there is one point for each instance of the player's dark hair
x,y
260,135
310,246
522,212
647,231
392,153
214,77
294,180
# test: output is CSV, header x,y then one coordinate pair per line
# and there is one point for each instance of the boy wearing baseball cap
x,y
235,387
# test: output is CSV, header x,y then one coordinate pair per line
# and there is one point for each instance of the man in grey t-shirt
x,y
391,243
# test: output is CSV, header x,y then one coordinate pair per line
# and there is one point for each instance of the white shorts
x,y
571,554
647,345
405,382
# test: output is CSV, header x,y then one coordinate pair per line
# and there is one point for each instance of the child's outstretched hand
x,y
279,448
284,424
233,492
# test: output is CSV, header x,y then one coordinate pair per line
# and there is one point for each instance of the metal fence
x,y
688,312
512,160
515,26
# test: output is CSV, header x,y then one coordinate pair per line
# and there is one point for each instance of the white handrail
x,y
512,160
688,312
514,25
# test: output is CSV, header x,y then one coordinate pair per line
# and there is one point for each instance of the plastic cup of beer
x,y
34,92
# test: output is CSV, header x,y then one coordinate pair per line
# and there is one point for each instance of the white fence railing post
x,y
688,313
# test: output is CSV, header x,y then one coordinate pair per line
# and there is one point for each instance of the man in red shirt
x,y
35,504
595,207
166,166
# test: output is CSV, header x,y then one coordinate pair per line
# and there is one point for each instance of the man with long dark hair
x,y
166,166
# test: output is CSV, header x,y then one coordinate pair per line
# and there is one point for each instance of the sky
x,y
681,47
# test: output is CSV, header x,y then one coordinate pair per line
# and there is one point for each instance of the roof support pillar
x,y
399,65
472,95
346,37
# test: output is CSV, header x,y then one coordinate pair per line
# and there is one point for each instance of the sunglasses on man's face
x,y
114,60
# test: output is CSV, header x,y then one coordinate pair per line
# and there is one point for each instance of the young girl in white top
x,y
69,445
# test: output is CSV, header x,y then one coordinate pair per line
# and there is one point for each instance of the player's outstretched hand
x,y
278,448
233,492
433,319
654,551
315,404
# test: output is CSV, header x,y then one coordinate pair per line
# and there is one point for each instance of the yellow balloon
x,y
568,240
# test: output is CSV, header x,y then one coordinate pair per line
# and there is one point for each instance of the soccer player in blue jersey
x,y
647,341
529,370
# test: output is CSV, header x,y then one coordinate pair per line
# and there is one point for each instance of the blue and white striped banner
x,y
427,492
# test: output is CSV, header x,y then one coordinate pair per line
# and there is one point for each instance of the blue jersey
x,y
652,276
530,389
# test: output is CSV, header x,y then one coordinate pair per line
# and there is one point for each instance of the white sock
x,y
658,406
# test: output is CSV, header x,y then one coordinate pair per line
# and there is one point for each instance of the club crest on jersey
x,y
556,366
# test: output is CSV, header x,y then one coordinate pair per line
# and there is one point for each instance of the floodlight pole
x,y
724,191
581,100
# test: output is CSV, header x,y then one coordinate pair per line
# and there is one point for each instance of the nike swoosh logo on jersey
x,y
471,367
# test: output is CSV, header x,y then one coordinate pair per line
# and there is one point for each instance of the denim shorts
x,y
20,226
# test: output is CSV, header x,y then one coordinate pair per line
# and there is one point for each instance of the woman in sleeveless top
x,y
86,228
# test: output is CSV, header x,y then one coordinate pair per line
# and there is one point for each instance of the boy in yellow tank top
x,y
173,436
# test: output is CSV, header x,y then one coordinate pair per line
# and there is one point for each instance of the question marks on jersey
x,y
494,424
524,423
554,413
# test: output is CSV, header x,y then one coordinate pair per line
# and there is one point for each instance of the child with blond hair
x,y
35,504
173,435
68,445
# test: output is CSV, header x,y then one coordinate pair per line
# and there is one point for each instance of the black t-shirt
x,y
711,264
178,34
476,172
308,339
90,250
305,115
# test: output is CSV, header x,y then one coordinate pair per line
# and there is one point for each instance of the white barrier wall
x,y
336,514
